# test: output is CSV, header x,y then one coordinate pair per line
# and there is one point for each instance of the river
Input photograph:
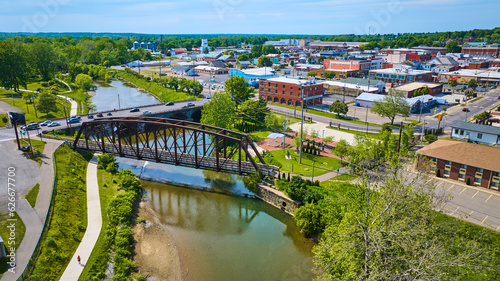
x,y
223,237
117,94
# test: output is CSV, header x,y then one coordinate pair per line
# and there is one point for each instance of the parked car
x,y
134,110
184,106
109,114
74,120
169,103
465,109
54,124
99,115
145,112
494,120
25,149
90,116
45,123
190,104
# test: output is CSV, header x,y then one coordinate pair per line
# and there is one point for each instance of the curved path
x,y
74,105
94,224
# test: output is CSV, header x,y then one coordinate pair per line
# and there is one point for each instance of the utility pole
x,y
366,120
301,123
119,107
400,132
34,105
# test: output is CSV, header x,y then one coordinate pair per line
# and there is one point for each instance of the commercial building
x,y
399,76
283,42
410,88
470,163
415,104
464,75
473,132
318,44
253,73
353,86
491,50
346,68
289,91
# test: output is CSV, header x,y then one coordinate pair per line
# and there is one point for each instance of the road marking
x,y
428,182
498,227
488,198
454,211
462,191
475,194
450,187
483,220
471,213
439,183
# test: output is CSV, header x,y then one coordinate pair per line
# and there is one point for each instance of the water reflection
x,y
223,237
106,97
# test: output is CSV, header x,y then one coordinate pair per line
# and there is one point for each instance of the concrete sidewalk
x,y
74,105
94,224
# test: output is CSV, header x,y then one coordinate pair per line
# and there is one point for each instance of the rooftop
x,y
417,85
476,127
352,86
290,81
476,155
361,81
401,71
475,73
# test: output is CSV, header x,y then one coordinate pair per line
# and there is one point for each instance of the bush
x,y
309,219
430,138
468,181
438,173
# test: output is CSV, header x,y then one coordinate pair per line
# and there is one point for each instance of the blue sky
x,y
248,16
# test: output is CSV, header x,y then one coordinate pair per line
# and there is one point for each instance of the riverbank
x,y
156,254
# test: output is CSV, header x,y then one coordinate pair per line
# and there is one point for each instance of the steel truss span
x,y
175,142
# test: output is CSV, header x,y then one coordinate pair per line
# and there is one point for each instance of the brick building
x,y
464,162
288,91
345,68
492,50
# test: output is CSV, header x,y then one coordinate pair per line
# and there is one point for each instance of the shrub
x,y
309,219
468,181
251,181
430,138
438,173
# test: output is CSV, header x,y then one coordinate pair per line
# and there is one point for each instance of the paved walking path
x,y
94,224
34,218
74,105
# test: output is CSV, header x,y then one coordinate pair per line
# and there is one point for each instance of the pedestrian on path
x,y
79,260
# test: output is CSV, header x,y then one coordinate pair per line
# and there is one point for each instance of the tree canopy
x,y
238,89
219,111
391,105
264,62
339,107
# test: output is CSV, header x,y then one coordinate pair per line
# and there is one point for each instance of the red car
x,y
494,120
465,109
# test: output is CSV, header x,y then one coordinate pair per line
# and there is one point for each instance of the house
x,y
289,91
226,59
471,163
476,133
184,70
441,64
243,64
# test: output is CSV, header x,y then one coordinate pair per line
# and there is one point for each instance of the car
x,y
74,120
45,123
134,110
499,97
77,117
209,97
123,65
54,124
25,149
90,116
30,126
190,104
109,114
184,106
494,120
145,112
99,115
465,109
169,103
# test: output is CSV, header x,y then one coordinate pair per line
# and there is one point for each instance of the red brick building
x,y
288,91
478,65
462,161
347,67
486,50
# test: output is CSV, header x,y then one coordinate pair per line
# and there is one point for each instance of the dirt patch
x,y
156,254
91,93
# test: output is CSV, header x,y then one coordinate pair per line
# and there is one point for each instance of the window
x,y
479,170
456,131
462,166
461,176
283,92
283,86
448,162
447,172
477,180
479,136
495,184
496,174
461,132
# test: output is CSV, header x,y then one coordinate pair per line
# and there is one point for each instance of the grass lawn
x,y
4,120
475,99
325,114
307,160
81,97
97,262
5,233
32,195
29,110
38,146
69,215
369,134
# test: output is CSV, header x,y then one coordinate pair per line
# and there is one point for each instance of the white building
x,y
204,46
475,132
377,64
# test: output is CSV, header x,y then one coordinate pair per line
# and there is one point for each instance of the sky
x,y
329,17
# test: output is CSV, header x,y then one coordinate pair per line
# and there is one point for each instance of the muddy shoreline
x,y
156,254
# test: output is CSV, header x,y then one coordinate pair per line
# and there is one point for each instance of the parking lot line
x,y
428,181
498,227
488,198
483,220
450,187
475,194
462,191
454,211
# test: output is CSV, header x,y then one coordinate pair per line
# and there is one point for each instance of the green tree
x,y
452,47
253,111
219,111
238,89
292,63
273,123
269,49
311,74
43,57
453,83
309,219
84,81
339,107
14,65
256,51
391,105
264,62
472,84
244,57
388,230
329,74
483,116
342,149
46,103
